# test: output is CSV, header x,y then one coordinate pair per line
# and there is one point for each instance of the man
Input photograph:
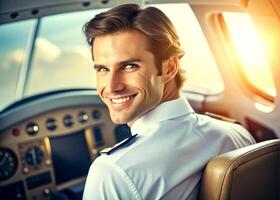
x,y
137,61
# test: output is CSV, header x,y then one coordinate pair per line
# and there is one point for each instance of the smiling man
x,y
127,77
137,61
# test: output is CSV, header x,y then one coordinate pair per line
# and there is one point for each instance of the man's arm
x,y
106,180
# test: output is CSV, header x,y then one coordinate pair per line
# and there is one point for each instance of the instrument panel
x,y
52,151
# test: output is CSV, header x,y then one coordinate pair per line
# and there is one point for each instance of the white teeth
x,y
121,100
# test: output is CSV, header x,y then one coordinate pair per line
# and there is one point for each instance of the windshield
x,y
51,54
13,38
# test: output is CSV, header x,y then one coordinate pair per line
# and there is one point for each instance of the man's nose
x,y
115,83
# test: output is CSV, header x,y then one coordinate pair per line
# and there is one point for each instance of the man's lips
x,y
122,100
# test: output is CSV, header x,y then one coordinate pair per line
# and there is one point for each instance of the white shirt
x,y
167,157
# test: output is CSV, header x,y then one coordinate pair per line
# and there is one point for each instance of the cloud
x,y
83,51
18,55
12,60
71,69
46,51
53,67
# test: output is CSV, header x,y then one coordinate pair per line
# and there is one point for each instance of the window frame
x,y
250,87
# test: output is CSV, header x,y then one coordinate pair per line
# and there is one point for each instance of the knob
x,y
25,170
51,124
32,128
83,117
46,192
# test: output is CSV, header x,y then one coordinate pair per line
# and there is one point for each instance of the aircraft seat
x,y
252,172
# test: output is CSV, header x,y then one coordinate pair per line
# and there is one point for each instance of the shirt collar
x,y
165,111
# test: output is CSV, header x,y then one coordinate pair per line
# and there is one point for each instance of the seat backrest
x,y
249,173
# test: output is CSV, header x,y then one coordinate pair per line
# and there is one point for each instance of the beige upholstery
x,y
249,173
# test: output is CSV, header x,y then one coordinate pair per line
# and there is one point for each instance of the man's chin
x,y
118,121
122,116
118,118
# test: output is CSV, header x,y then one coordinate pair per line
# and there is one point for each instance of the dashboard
x,y
53,150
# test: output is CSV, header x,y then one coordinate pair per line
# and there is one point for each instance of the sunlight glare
x,y
250,51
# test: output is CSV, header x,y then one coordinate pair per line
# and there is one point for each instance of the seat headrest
x,y
252,172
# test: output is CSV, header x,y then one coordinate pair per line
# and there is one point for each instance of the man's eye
x,y
131,66
102,69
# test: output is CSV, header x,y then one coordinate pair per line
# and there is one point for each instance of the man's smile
x,y
121,102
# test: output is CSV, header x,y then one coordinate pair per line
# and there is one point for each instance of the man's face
x,y
127,78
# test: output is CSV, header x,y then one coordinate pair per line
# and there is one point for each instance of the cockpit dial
x,y
8,163
34,156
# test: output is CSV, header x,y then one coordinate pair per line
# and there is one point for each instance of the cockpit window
x,y
13,39
250,49
62,58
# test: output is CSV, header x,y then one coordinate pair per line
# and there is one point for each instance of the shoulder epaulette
x,y
123,143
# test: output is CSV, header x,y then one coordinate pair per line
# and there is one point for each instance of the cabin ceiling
x,y
15,10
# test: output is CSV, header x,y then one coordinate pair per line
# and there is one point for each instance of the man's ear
x,y
170,68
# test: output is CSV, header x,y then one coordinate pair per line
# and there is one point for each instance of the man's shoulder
x,y
212,128
207,124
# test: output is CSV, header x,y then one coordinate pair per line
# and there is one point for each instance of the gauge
x,y
34,156
68,120
8,163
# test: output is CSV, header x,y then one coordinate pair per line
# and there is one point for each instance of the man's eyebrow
x,y
98,66
121,63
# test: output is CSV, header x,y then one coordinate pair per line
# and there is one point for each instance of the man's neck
x,y
170,92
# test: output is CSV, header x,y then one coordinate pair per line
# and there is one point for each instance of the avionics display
x,y
70,156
